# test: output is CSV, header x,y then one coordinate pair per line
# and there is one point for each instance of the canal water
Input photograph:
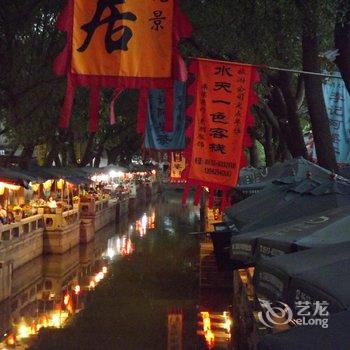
x,y
136,286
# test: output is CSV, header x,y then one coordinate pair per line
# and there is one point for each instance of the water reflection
x,y
216,329
47,291
122,246
150,268
146,222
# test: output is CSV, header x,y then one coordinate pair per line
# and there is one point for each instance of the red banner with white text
x,y
221,113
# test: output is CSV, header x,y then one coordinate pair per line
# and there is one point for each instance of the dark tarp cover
x,y
318,274
327,227
335,337
294,168
285,202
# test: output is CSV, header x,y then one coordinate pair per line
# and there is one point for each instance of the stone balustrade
x,y
22,241
100,213
20,228
61,220
61,231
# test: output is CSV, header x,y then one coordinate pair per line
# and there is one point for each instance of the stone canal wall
x,y
22,241
101,213
53,233
62,231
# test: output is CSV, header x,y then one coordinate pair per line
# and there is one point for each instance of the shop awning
x,y
15,177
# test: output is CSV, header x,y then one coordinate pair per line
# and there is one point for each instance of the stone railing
x,y
101,205
21,228
60,221
90,207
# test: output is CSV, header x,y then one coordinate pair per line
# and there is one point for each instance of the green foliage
x,y
31,96
264,32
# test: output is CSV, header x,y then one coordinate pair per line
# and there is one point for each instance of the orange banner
x,y
222,100
109,37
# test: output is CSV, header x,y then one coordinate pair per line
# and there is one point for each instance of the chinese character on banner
x,y
177,167
121,44
337,100
223,95
156,138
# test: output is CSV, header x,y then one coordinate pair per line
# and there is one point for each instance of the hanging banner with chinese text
x,y
177,167
156,138
121,44
223,95
337,100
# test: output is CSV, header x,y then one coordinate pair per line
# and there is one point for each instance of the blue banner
x,y
337,100
156,138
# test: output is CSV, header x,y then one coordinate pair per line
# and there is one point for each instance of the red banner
x,y
121,44
223,95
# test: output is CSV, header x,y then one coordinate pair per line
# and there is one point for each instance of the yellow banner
x,y
126,38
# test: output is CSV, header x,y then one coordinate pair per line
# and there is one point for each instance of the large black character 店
x,y
126,32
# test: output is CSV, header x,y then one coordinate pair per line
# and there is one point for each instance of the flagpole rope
x,y
300,72
274,68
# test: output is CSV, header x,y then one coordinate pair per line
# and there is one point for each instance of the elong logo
x,y
307,313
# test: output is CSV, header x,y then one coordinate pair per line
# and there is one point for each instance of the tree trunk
x,y
70,149
89,152
53,154
253,155
315,101
342,43
268,146
297,144
279,108
26,156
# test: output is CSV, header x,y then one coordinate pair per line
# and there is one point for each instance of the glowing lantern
x,y
104,269
60,184
77,289
34,186
47,185
2,189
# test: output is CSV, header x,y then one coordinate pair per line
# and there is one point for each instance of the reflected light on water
x,y
55,319
227,322
77,289
208,334
216,328
146,222
119,246
57,296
